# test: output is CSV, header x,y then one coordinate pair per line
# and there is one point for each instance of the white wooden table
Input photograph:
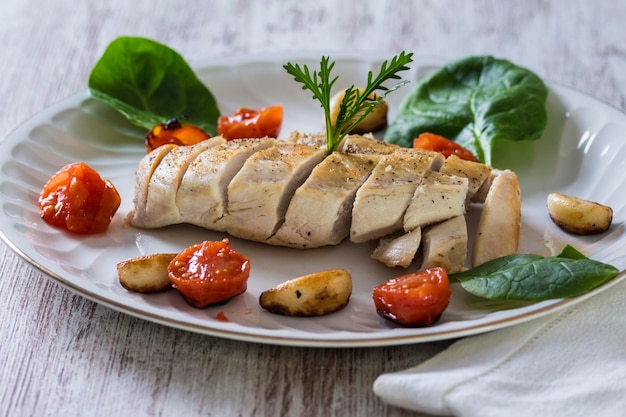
x,y
62,355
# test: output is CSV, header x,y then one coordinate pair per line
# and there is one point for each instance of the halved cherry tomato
x,y
447,147
251,123
208,273
416,299
76,198
173,131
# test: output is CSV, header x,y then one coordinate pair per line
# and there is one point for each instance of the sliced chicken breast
x,y
398,250
145,169
290,194
481,194
317,140
500,220
438,197
476,173
445,245
382,200
366,144
258,196
202,197
320,211
161,206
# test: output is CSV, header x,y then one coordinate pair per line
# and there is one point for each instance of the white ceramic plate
x,y
578,155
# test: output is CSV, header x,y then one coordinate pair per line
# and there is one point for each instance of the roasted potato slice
x,y
145,274
315,294
575,215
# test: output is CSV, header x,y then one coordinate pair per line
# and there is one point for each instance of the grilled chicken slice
x,y
476,173
258,196
161,206
481,194
445,245
361,144
157,179
317,140
438,197
384,197
202,196
398,250
500,220
366,144
320,211
145,169
290,194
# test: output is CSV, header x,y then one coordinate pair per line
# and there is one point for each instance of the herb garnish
x,y
356,104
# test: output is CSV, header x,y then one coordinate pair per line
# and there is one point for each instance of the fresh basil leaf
x,y
534,278
150,83
477,102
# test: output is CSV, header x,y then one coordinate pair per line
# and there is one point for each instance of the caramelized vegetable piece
x,y
251,123
209,273
146,273
414,300
175,133
447,147
578,216
76,198
315,294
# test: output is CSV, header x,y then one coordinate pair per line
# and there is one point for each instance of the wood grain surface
x,y
63,355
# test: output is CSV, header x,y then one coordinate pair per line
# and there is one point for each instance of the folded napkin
x,y
571,363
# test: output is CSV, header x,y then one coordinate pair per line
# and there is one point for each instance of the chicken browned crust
x,y
290,193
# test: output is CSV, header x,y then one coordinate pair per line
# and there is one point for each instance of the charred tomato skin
x,y
447,147
414,300
77,199
209,273
174,132
251,123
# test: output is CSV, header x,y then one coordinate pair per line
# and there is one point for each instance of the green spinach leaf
x,y
150,83
535,278
477,102
570,252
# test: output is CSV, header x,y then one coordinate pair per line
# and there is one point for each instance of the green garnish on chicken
x,y
357,103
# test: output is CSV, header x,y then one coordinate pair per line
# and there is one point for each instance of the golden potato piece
x,y
315,294
575,215
145,274
375,120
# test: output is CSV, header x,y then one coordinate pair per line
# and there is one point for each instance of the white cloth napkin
x,y
571,363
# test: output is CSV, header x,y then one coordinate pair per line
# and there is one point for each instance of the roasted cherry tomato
x,y
208,273
173,131
447,147
77,199
416,299
251,123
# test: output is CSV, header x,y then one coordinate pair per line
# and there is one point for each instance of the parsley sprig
x,y
356,103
